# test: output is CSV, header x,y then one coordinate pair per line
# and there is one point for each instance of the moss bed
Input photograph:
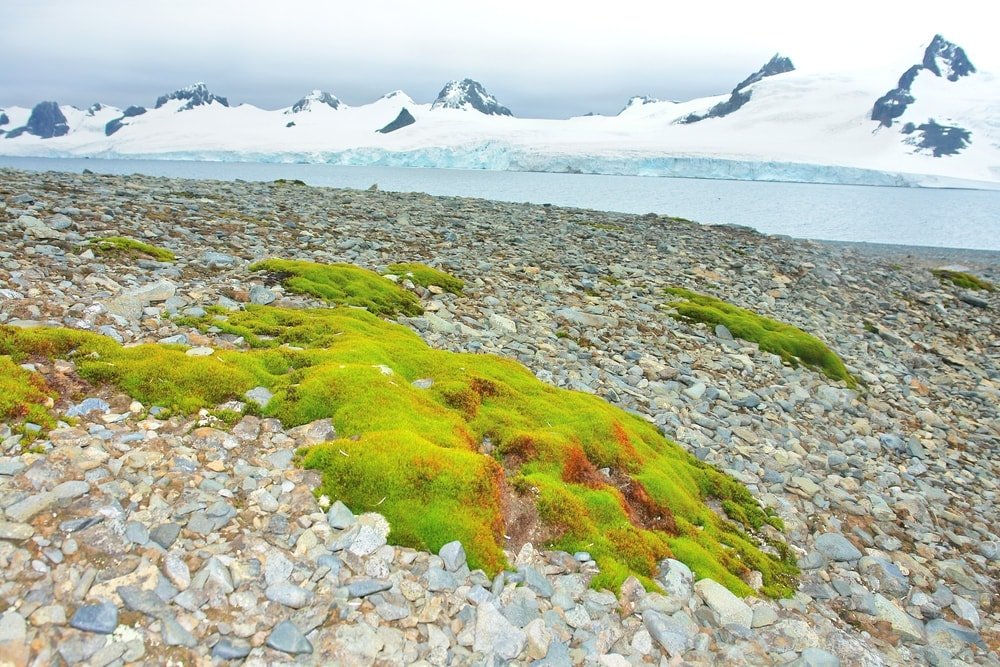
x,y
23,396
793,345
411,450
965,280
126,247
424,275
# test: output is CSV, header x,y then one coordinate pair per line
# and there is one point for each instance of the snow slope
x,y
796,126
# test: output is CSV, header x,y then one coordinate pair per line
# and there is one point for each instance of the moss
x,y
963,280
421,274
611,280
24,396
793,345
412,454
343,284
288,181
126,247
605,226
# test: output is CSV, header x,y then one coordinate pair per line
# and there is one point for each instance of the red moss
x,y
577,469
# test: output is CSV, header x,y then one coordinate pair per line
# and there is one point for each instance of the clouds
x,y
538,58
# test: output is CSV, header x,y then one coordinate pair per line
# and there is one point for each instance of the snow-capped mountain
x,y
469,94
939,125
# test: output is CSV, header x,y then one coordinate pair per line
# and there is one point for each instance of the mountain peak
x,y
314,100
469,94
196,95
46,121
778,64
947,59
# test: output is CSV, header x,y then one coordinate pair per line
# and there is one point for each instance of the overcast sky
x,y
540,58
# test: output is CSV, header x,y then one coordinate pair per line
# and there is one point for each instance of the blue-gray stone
x,y
259,395
339,516
165,534
837,547
536,581
231,649
143,601
675,633
453,555
87,406
437,579
100,618
287,637
289,594
366,587
174,634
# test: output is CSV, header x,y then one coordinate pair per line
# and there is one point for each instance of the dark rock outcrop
x,y
117,124
402,120
46,121
4,118
778,64
637,101
941,58
196,95
939,140
316,97
469,94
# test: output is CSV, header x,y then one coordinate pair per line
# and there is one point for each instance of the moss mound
x,y
23,396
124,246
790,343
964,280
343,284
413,453
421,274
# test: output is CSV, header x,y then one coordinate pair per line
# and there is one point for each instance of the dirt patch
x,y
641,508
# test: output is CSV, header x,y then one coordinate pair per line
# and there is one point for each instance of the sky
x,y
550,59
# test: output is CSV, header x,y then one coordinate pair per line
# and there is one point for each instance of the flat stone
x,y
165,534
175,634
674,633
143,601
730,609
13,627
99,618
259,395
904,624
15,532
287,638
763,615
837,547
289,595
372,536
231,649
87,406
366,587
70,490
24,510
495,634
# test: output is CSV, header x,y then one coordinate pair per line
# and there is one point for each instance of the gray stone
x,y
884,576
13,627
261,295
730,609
287,638
277,568
289,595
99,618
339,517
365,587
218,260
815,657
231,649
677,581
259,395
453,555
837,547
951,637
174,634
674,633
15,532
143,601
763,615
373,535
87,406
24,510
904,624
438,579
536,581
165,534
495,634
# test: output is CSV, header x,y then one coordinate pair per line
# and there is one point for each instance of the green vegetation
x,y
343,284
421,274
23,396
605,226
790,343
964,280
126,247
288,181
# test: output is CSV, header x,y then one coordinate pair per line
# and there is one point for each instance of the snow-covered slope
x,y
789,125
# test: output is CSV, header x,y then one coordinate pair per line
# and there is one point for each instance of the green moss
x,y
605,226
413,454
792,344
964,280
421,274
288,181
23,396
611,280
343,284
122,246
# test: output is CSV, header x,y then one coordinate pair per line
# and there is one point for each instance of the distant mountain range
x,y
938,125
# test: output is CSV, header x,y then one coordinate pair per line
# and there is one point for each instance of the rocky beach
x,y
130,534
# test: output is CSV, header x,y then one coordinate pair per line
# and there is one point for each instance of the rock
x,y
674,633
504,325
763,615
287,638
13,628
24,510
99,618
730,609
885,576
87,406
837,547
453,556
261,296
951,637
339,517
174,634
373,534
366,587
15,532
259,395
289,595
677,581
901,622
165,534
230,649
816,657
588,320
314,433
495,634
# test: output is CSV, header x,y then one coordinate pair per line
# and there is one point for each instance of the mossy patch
x,y
24,396
126,247
424,275
963,280
413,453
790,343
343,284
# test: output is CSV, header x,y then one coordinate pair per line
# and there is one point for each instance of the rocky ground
x,y
126,538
